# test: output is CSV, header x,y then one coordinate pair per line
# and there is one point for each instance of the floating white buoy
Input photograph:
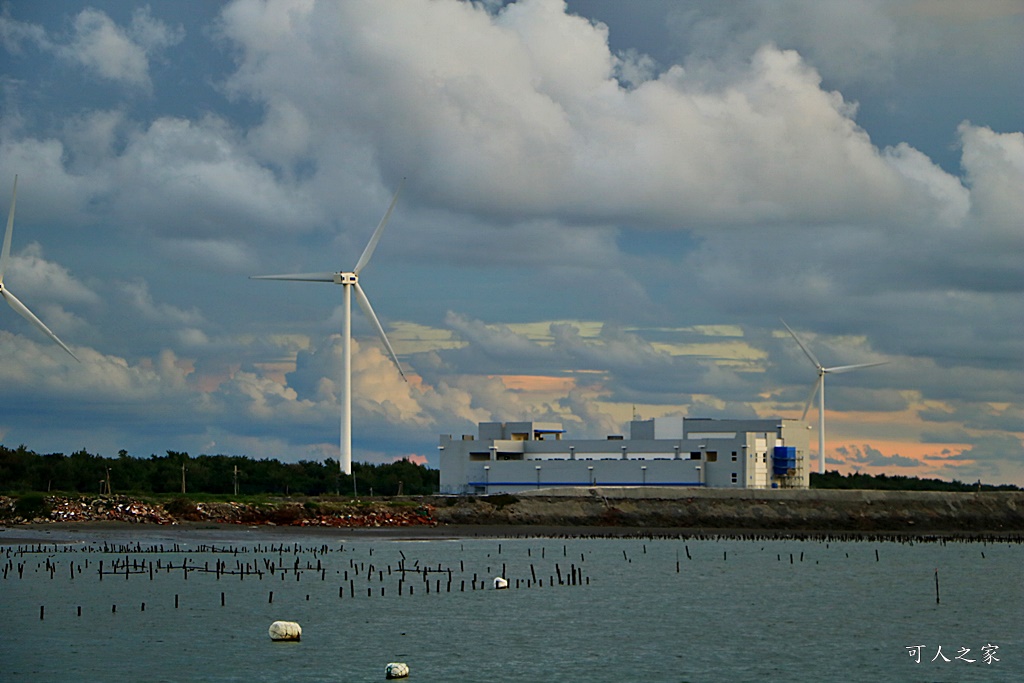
x,y
396,670
285,630
500,582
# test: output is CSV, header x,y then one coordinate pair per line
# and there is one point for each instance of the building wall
x,y
515,456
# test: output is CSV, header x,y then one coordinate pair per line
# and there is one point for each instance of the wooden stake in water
x,y
936,586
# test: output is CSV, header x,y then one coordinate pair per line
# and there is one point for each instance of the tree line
x,y
22,470
834,480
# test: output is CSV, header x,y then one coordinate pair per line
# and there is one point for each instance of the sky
x,y
608,210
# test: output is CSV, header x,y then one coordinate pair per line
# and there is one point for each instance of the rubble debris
x,y
126,509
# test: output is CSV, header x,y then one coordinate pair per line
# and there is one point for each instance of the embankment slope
x,y
814,510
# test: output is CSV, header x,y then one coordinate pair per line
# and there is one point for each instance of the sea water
x,y
599,610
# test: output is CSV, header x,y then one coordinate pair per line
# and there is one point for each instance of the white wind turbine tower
x,y
819,389
5,257
349,280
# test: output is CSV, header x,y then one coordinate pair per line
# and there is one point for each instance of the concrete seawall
x,y
813,510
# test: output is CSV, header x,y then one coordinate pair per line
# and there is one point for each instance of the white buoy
x,y
500,583
396,670
285,630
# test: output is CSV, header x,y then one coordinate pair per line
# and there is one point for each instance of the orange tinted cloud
x,y
895,457
538,383
907,449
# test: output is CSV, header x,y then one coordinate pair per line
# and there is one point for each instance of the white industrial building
x,y
507,457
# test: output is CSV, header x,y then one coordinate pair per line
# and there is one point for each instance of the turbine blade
x,y
368,252
364,303
810,399
806,350
846,368
22,309
297,277
5,255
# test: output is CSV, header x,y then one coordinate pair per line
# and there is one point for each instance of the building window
x,y
734,456
694,455
734,478
712,456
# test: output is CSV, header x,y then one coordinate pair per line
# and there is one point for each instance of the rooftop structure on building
x,y
510,457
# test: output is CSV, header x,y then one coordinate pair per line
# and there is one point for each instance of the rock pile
x,y
107,509
125,509
390,517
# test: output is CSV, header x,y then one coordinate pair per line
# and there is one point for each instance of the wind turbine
x,y
8,295
819,389
349,280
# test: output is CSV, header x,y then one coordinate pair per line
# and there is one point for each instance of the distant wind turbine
x,y
8,295
819,389
349,280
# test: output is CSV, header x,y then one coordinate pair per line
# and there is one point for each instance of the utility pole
x,y
183,477
236,480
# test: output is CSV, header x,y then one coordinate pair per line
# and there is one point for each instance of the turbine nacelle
x,y
346,279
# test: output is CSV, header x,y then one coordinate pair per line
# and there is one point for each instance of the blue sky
x,y
607,210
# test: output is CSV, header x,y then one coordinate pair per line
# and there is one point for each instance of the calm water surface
x,y
626,610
